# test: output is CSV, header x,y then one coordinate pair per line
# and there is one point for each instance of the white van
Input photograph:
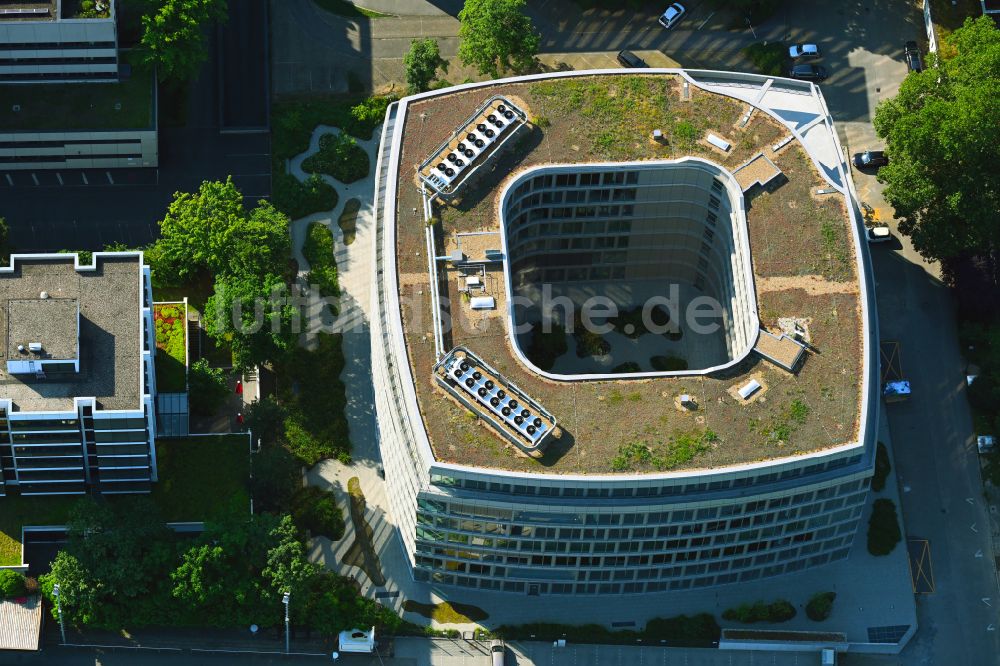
x,y
497,649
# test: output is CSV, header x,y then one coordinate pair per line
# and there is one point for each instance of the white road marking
x,y
979,553
973,528
986,600
59,178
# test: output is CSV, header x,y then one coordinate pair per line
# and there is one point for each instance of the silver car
x,y
673,14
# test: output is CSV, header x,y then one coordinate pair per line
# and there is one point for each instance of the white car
x,y
878,234
803,52
673,14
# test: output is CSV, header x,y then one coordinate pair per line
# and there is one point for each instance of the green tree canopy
x,y
210,229
943,140
496,36
207,387
422,62
173,36
250,313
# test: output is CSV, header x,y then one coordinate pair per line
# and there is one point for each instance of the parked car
x,y
870,159
808,72
911,53
673,14
803,52
497,650
878,234
629,59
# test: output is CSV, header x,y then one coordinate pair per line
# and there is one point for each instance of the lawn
x,y
318,251
171,344
71,106
17,511
202,478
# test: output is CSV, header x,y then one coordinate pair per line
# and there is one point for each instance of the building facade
x,y
78,391
602,534
46,42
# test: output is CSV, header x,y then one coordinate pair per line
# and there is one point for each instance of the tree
x,y
173,36
12,583
79,599
421,63
944,142
287,568
207,387
496,36
252,315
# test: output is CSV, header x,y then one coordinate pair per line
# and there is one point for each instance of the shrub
x,y
297,199
315,509
882,467
339,156
883,528
759,611
768,58
542,121
668,363
820,606
627,366
318,251
12,583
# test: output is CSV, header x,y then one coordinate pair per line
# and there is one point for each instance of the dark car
x,y
808,72
629,59
870,159
912,55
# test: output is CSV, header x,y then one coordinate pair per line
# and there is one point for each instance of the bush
x,y
12,583
208,388
339,156
277,475
820,606
776,611
297,199
318,251
668,363
316,510
768,58
882,467
627,366
883,528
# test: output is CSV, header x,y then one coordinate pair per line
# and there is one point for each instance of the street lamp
x,y
284,600
62,624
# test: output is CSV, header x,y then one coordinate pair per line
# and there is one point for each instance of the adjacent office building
x,y
77,379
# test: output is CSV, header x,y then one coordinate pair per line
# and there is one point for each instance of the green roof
x,y
78,106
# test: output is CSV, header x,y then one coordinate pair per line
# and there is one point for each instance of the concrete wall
x,y
20,151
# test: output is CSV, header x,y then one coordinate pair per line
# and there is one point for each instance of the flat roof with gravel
x,y
110,305
805,269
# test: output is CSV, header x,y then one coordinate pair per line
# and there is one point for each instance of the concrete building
x,y
650,460
55,41
68,99
78,379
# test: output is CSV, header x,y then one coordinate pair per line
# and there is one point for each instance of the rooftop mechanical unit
x,y
512,413
471,145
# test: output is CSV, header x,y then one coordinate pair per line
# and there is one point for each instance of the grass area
x,y
768,58
339,156
318,251
348,220
171,343
71,106
293,121
676,451
348,9
84,9
202,478
17,511
446,612
314,397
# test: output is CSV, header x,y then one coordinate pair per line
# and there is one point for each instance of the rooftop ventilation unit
x,y
512,413
492,123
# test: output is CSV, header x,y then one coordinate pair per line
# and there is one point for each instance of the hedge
x,y
776,611
820,606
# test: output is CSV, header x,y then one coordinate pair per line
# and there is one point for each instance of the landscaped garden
x,y
339,156
171,345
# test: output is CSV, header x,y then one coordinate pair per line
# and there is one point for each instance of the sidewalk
x,y
267,641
